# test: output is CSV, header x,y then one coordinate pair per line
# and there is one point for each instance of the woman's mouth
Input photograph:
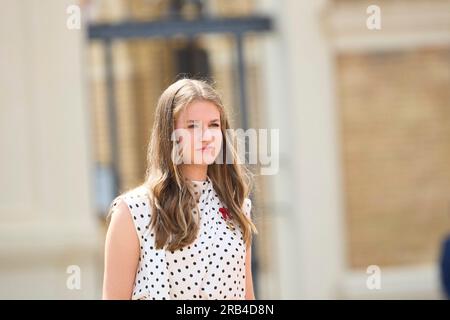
x,y
206,148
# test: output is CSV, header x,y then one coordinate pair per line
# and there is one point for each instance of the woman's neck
x,y
195,172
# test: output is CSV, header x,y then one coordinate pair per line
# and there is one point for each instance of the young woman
x,y
186,232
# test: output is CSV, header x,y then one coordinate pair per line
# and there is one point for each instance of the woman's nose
x,y
207,136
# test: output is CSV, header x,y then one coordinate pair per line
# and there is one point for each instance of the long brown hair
x,y
172,198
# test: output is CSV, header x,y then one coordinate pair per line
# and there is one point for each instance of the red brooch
x,y
225,214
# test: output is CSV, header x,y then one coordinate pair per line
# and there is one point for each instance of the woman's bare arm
x,y
121,255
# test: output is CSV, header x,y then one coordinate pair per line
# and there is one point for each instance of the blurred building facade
x,y
363,115
48,230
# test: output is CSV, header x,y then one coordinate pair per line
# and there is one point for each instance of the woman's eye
x,y
191,126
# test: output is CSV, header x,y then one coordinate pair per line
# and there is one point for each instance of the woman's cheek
x,y
187,150
217,143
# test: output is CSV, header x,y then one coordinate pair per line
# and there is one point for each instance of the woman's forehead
x,y
200,111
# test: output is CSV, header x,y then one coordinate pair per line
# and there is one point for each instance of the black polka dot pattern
x,y
212,267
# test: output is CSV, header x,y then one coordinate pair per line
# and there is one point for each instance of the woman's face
x,y
198,129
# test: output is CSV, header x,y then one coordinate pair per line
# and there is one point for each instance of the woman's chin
x,y
208,159
203,158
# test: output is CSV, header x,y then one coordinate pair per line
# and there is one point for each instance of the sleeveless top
x,y
212,267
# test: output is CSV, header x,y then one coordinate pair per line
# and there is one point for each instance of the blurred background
x,y
363,118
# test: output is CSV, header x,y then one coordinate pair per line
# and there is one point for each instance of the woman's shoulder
x,y
136,203
135,197
136,193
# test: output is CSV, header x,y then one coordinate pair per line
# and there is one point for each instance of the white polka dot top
x,y
212,267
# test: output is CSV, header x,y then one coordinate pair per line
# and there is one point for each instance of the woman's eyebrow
x,y
214,120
